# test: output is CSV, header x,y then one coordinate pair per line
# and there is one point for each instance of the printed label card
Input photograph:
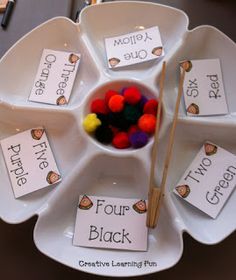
x,y
132,48
55,77
203,88
209,180
105,222
30,162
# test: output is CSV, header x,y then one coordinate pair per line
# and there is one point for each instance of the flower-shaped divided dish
x,y
95,169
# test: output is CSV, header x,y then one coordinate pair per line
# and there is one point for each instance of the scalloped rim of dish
x,y
73,110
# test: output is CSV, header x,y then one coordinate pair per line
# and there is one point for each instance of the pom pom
x,y
124,119
109,94
150,107
132,95
104,119
118,120
143,101
138,139
116,103
147,123
133,129
123,90
98,106
91,122
132,113
121,140
104,134
114,129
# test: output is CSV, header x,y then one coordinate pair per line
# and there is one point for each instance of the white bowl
x,y
85,164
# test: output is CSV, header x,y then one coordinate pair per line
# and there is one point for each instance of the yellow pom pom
x,y
91,122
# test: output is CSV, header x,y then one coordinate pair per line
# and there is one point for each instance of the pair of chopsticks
x,y
156,194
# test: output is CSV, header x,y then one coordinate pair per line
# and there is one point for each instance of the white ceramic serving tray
x,y
91,168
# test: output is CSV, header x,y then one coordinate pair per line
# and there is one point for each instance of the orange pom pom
x,y
116,103
109,94
147,123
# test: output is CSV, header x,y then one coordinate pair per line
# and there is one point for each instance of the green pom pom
x,y
132,113
118,120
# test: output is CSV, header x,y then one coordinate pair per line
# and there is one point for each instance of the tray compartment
x,y
125,17
189,140
55,227
19,66
204,42
66,143
151,92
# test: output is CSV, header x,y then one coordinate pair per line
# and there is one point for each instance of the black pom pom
x,y
104,134
104,119
118,120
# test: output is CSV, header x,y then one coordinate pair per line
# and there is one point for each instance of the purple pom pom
x,y
138,139
143,101
122,91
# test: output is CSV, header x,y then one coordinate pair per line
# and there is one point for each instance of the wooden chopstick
x,y
152,197
157,201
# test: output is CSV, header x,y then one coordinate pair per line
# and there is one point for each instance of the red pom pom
x,y
132,95
98,106
116,103
121,140
133,128
114,129
150,107
109,94
147,123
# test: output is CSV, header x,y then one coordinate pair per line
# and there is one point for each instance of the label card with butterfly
x,y
30,162
106,222
132,48
209,180
55,77
204,93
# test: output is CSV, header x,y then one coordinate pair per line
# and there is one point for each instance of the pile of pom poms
x,y
124,119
